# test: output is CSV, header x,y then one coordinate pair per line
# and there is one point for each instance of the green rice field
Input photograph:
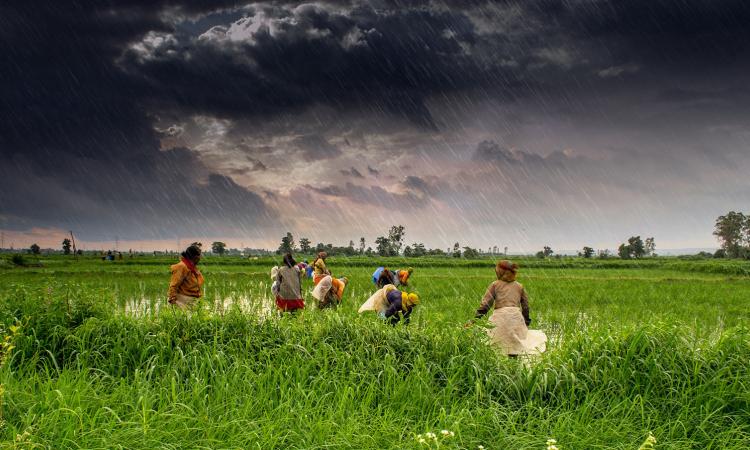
x,y
93,357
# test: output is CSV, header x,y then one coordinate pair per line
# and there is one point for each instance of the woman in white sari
x,y
510,316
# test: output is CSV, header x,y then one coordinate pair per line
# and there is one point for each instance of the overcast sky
x,y
509,123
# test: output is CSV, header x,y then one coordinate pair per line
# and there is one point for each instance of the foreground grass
x,y
86,375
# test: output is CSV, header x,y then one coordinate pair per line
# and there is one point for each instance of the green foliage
x,y
66,244
383,246
34,249
587,252
733,232
101,362
18,260
218,247
287,244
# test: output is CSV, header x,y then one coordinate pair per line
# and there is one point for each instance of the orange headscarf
x,y
506,271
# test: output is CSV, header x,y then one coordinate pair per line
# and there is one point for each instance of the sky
x,y
566,123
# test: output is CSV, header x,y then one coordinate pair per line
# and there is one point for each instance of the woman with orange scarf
x,y
328,290
187,281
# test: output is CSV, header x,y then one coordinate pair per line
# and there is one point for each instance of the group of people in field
x,y
505,297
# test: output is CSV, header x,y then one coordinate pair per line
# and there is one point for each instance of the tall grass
x,y
85,373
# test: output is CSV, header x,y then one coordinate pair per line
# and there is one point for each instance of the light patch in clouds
x,y
616,71
154,45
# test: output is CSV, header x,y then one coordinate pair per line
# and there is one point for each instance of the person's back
x,y
507,293
400,304
190,282
385,277
289,283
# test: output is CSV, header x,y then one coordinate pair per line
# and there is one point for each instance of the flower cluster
x,y
433,440
649,443
552,444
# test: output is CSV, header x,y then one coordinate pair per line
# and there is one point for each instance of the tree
x,y
637,247
287,244
623,251
407,252
383,245
732,232
587,252
66,246
418,249
369,251
650,247
396,237
304,245
547,251
35,249
361,245
351,246
456,250
470,253
218,247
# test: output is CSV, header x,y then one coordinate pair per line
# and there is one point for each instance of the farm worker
x,y
308,270
391,304
329,291
186,282
383,276
303,267
319,268
289,281
511,314
402,276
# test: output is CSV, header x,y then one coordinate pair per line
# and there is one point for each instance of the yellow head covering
x,y
408,300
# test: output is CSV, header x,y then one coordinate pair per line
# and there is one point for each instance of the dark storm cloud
x,y
282,58
83,86
371,195
315,147
78,149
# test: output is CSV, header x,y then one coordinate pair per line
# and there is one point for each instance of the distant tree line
x,y
386,245
635,248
